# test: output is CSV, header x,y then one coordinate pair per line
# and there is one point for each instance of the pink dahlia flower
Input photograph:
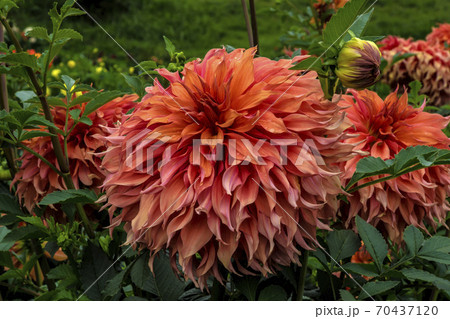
x,y
35,179
383,128
440,35
240,211
430,65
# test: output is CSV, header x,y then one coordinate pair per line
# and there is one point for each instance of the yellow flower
x,y
99,69
56,72
358,64
95,51
48,91
131,70
71,64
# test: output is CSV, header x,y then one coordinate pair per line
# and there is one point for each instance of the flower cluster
x,y
430,65
35,179
440,35
382,129
251,210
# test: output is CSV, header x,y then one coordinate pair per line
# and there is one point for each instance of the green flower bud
x,y
358,64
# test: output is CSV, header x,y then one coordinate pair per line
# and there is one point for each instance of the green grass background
x,y
195,26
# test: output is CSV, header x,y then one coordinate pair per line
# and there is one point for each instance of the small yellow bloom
x,y
95,51
71,64
131,70
56,72
48,92
99,69
78,94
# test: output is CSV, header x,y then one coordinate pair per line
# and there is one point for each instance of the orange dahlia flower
x,y
35,179
241,210
383,128
440,35
430,65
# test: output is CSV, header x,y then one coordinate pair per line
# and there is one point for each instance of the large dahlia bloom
x,y
440,35
240,207
383,128
430,65
35,179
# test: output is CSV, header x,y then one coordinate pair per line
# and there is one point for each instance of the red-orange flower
x,y
206,210
36,179
440,35
430,65
362,256
383,128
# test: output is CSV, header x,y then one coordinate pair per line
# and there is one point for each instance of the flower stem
x,y
247,23
254,26
62,162
43,262
302,276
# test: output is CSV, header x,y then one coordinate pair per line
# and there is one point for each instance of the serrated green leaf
x,y
86,97
4,246
100,100
12,273
273,293
115,284
369,270
32,134
163,282
360,24
7,5
95,272
74,12
21,58
69,196
38,32
376,287
9,205
418,274
413,239
342,244
342,21
436,244
68,82
373,240
147,65
17,234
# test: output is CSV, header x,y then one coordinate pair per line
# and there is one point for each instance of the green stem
x,y
247,23
435,294
24,290
302,276
254,26
43,262
59,154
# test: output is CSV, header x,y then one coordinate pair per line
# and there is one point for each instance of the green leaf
x,y
407,160
68,81
273,293
32,134
135,83
5,259
38,32
376,287
162,283
115,284
74,12
417,274
170,48
369,270
7,5
359,25
21,58
29,264
413,239
86,97
12,273
69,196
373,240
311,63
65,274
68,34
247,285
21,233
5,246
100,100
34,220
9,205
342,21
343,244
436,249
346,295
95,272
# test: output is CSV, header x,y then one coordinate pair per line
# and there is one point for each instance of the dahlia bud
x,y
358,64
